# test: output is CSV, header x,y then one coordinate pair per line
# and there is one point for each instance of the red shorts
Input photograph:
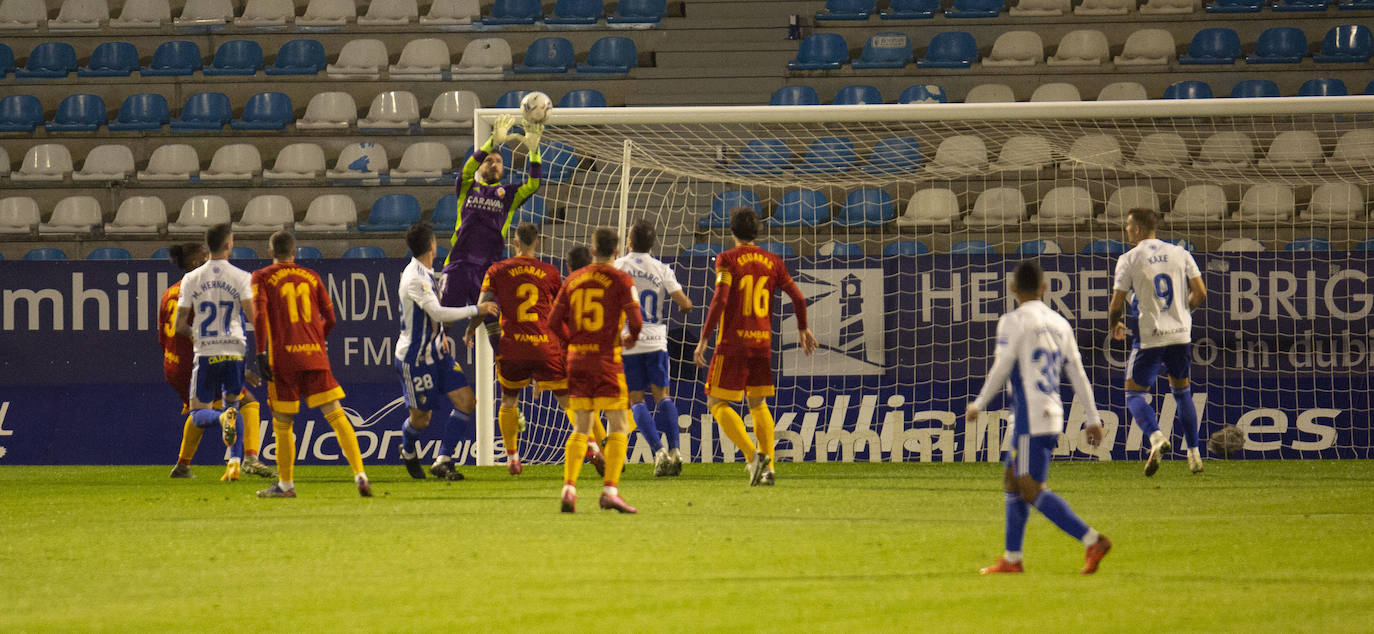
x,y
551,373
597,383
738,373
287,388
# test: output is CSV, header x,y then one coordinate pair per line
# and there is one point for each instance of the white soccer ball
x,y
535,107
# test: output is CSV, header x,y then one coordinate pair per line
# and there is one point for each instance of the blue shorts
x,y
426,385
1030,455
214,376
643,370
1144,363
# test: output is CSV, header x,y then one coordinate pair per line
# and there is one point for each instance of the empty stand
x,y
139,215
110,163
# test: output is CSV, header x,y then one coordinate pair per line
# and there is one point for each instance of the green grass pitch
x,y
1257,546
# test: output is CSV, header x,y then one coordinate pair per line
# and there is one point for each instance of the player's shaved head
x,y
642,236
578,257
527,233
217,237
187,256
744,224
283,245
1029,277
1143,218
420,238
605,240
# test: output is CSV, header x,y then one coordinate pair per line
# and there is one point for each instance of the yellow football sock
x,y
286,449
190,440
573,454
598,430
348,439
616,446
252,427
733,428
763,428
509,419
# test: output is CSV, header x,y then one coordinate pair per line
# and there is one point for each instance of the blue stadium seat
x,y
510,99
1369,88
704,249
885,50
910,10
308,253
360,253
1251,88
514,12
1188,90
923,93
781,249
46,253
858,96
441,254
547,55
1105,247
638,12
1298,5
109,253
1323,87
265,111
243,253
111,59
829,155
1212,46
1185,243
236,57
725,202
575,12
1346,43
79,113
821,51
445,216
144,111
795,96
951,49
846,10
560,161
844,250
1367,245
535,211
1235,6
299,57
392,212
172,59
1279,45
974,9
6,59
1355,5
49,60
763,156
866,208
20,113
1308,244
906,247
1039,247
895,155
204,111
801,208
611,55
971,247
160,254
583,98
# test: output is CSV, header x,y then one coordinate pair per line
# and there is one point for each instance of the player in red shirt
x,y
178,359
742,307
589,314
292,318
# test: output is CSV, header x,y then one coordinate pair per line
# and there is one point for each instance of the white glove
x,y
533,132
500,132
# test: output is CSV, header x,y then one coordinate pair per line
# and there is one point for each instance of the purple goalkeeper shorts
x,y
460,283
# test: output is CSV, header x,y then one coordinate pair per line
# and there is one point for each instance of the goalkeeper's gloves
x,y
533,132
264,370
500,131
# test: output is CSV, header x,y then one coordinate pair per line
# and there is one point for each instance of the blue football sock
x,y
1141,411
665,418
1057,510
204,418
1017,513
1187,414
236,451
458,422
645,421
410,439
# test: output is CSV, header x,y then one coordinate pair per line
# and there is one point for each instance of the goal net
x,y
902,223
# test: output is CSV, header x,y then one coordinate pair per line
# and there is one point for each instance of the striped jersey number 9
x,y
529,293
756,295
297,297
648,306
1164,289
588,314
210,311
1049,372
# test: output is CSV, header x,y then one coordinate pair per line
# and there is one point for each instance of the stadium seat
x,y
923,93
1039,247
390,13
560,161
1093,151
79,113
6,60
451,110
1226,149
1084,47
821,51
1336,202
575,12
905,247
763,157
1127,198
73,215
451,13
858,96
45,253
138,214
795,96
974,9
972,247
724,203
828,155
203,111
111,163
299,57
363,253
1023,152
1253,88
1199,203
22,15
203,13
1267,202
1190,89
1147,47
1056,91
236,57
1234,6
1346,43
1161,149
610,55
866,207
1308,244
109,253
838,249
1294,6
710,250
359,59
144,111
242,253
199,213
514,12
309,253
1354,149
1367,245
1323,87
20,113
1293,149
950,49
1122,91
931,207
328,13
1016,48
894,155
265,111
143,14
885,50
19,214
422,59
547,55
638,13
1279,45
392,110
1369,88
990,93
49,60
331,212
329,111
266,13
44,163
426,161
445,215
234,162
360,161
1040,8
1065,205
534,211
510,99
1105,247
111,59
392,212
1212,46
997,207
1105,7
485,57
173,59
800,208
961,154
780,249
910,10
172,163
846,10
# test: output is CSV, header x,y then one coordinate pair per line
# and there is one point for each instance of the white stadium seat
x,y
428,160
1093,151
960,154
990,93
1267,202
1161,149
19,214
1293,148
80,15
392,110
359,59
390,13
1226,149
46,162
143,14
1122,91
234,162
1334,202
74,214
267,13
1016,48
1056,91
1199,202
331,212
138,214
106,163
1084,47
937,206
199,213
1127,198
329,111
177,162
328,13
489,57
1023,152
205,13
998,207
452,109
270,212
1147,47
298,161
451,12
1066,205
422,59
360,161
